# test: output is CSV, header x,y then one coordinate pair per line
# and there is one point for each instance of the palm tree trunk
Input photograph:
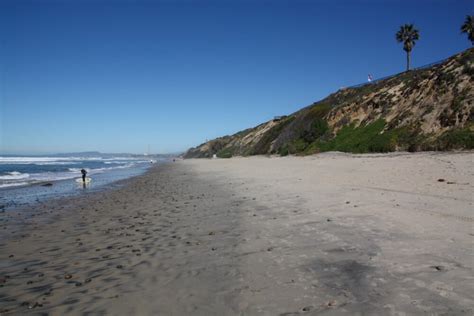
x,y
408,61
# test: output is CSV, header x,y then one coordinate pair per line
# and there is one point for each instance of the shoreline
x,y
17,215
325,234
27,196
68,257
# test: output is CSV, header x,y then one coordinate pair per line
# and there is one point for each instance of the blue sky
x,y
117,76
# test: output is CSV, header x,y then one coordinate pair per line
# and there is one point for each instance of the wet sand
x,y
329,234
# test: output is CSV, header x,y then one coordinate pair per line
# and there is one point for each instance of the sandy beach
x,y
329,234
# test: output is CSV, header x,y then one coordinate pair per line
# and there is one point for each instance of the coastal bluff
x,y
431,108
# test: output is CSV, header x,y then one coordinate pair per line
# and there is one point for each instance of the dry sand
x,y
329,234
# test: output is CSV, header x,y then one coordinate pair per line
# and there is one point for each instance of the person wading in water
x,y
84,173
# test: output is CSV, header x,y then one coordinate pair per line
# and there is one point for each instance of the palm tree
x,y
468,28
408,35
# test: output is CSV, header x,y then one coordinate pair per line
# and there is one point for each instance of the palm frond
x,y
407,35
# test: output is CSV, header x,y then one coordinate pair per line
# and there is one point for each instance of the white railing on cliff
x,y
391,76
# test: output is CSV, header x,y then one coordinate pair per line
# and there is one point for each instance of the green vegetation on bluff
x,y
369,138
457,139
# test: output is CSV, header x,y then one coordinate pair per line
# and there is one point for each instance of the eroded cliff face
x,y
426,109
433,100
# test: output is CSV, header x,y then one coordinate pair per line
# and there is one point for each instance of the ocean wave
x,y
14,175
100,170
128,165
28,160
10,160
53,163
13,184
53,176
14,178
65,160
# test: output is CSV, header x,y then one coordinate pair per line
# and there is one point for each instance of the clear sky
x,y
117,76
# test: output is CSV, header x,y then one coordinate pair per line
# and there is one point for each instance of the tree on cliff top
x,y
407,35
468,28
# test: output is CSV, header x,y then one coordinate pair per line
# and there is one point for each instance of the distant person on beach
x,y
84,173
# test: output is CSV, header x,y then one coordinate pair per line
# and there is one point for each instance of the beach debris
x,y
119,266
68,276
441,180
31,306
438,268
348,202
307,308
269,248
331,303
88,280
78,283
329,220
211,233
36,304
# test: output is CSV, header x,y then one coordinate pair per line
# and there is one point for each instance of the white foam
x,y
14,184
15,175
74,172
64,160
36,160
16,178
52,176
9,160
53,163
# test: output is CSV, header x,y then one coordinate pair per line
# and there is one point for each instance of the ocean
x,y
23,178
